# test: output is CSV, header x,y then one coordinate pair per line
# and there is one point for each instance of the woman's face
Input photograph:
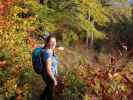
x,y
52,43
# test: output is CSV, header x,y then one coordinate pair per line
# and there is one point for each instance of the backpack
x,y
37,60
38,56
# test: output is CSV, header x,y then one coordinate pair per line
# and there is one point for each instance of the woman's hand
x,y
55,83
60,48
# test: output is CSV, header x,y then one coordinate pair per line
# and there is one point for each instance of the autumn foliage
x,y
103,71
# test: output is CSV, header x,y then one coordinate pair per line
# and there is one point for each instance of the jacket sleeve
x,y
47,55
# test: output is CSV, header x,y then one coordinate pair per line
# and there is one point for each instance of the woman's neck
x,y
51,50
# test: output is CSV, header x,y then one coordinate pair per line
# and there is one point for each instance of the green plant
x,y
75,89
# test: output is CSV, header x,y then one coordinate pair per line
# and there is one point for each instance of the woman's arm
x,y
49,71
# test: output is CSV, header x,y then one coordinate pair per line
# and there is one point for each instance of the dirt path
x,y
37,88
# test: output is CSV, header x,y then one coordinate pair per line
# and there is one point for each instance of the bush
x,y
75,87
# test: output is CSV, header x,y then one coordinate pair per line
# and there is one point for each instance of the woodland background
x,y
97,63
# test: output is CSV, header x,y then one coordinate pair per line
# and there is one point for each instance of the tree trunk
x,y
87,35
92,39
92,36
87,40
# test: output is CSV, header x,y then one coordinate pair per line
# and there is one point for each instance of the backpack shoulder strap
x,y
42,60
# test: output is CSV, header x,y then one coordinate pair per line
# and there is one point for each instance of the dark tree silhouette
x,y
43,1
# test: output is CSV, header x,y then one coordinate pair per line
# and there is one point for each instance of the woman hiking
x,y
50,72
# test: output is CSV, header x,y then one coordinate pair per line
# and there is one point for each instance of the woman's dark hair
x,y
48,39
